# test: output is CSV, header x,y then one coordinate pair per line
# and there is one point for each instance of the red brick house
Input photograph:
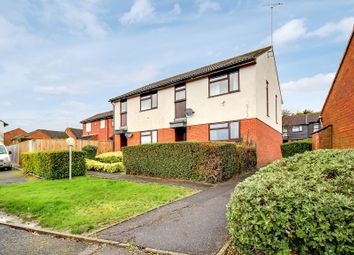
x,y
237,99
40,134
75,133
11,134
337,114
98,127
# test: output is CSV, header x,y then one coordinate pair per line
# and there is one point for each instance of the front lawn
x,y
84,203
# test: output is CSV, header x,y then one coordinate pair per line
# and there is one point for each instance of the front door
x,y
123,140
180,101
181,134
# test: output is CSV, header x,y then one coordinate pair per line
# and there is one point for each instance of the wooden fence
x,y
37,145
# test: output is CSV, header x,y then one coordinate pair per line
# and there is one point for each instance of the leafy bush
x,y
302,204
94,165
54,164
90,150
210,162
110,157
292,148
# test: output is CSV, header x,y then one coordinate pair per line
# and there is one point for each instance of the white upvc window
x,y
297,129
147,137
88,127
316,127
102,123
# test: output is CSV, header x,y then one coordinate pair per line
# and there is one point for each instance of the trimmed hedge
x,y
200,161
110,157
94,165
292,148
299,205
54,164
90,150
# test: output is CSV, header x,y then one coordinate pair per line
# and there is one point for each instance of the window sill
x,y
148,109
227,93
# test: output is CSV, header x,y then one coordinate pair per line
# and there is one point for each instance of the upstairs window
x,y
224,84
102,123
296,129
276,109
148,102
88,127
316,127
285,132
147,137
224,131
123,113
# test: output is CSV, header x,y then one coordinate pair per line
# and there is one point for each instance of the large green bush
x,y
110,157
210,162
90,150
94,165
299,205
292,148
54,164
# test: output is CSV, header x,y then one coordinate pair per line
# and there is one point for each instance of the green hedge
x,y
110,157
210,162
299,205
292,148
94,165
54,164
90,150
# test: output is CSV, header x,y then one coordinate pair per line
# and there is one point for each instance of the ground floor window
x,y
224,131
147,137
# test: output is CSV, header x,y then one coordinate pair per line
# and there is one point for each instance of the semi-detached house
x,y
238,99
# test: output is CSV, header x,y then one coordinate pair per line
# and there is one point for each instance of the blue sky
x,y
61,60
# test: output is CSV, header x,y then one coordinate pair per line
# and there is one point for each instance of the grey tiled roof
x,y
53,134
77,132
102,115
205,70
301,119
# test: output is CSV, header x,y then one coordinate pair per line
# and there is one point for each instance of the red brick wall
x,y
266,139
338,110
322,139
166,135
198,133
103,134
10,134
38,135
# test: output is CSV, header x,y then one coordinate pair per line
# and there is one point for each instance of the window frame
x,y
300,129
229,91
104,123
147,97
123,113
318,127
88,124
150,135
276,109
229,130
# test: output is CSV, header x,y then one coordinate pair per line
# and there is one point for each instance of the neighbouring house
x,y
238,99
98,127
75,133
11,134
300,126
40,134
3,124
337,115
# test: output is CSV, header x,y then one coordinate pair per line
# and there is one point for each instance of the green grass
x,y
84,203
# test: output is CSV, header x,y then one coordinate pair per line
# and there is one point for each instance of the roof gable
x,y
102,115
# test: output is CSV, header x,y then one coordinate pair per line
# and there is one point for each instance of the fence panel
x,y
60,144
14,153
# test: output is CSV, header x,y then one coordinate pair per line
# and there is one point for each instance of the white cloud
x,y
318,82
207,5
83,18
140,10
57,90
340,29
176,9
289,32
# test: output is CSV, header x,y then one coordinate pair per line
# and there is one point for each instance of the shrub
x,y
90,150
292,148
210,162
302,205
54,164
110,157
94,165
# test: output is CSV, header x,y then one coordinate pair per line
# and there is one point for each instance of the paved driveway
x,y
195,225
14,176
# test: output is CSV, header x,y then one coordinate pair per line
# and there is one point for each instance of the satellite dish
x,y
189,112
128,134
